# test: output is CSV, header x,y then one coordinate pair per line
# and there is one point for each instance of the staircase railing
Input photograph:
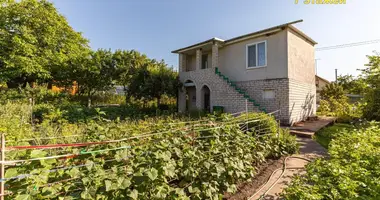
x,y
239,90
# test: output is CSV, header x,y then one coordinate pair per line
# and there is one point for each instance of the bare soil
x,y
247,189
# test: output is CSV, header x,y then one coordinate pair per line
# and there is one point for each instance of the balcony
x,y
200,57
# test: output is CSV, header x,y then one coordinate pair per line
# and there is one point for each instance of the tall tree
x,y
96,73
162,81
351,84
128,64
332,90
371,76
36,42
153,80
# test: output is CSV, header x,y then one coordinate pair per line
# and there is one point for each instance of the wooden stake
x,y
2,166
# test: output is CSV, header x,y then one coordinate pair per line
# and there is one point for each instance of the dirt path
x,y
309,149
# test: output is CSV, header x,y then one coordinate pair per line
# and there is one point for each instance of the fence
x,y
244,123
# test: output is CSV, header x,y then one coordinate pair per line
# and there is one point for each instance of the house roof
x,y
322,78
251,35
199,44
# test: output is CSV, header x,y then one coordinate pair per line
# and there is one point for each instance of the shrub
x,y
371,110
341,109
327,134
351,172
324,107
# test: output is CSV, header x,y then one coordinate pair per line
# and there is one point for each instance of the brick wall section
x,y
302,100
256,88
221,94
295,99
215,56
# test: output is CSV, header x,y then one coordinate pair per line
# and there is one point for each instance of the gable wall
x,y
232,59
301,69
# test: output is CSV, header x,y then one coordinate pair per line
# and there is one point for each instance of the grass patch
x,y
325,135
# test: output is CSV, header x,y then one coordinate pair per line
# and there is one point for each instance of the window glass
x,y
252,56
261,54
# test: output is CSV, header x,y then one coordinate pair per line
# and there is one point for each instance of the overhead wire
x,y
348,45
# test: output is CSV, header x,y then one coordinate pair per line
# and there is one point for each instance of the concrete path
x,y
307,129
309,149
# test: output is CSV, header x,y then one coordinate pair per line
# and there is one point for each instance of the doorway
x,y
206,99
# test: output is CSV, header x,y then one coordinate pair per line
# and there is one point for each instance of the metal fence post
x,y
246,111
2,189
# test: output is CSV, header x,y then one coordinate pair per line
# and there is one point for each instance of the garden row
x,y
156,158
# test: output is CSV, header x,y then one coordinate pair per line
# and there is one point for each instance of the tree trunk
x,y
145,104
126,95
158,102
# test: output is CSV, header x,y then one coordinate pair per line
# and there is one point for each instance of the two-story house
x,y
268,70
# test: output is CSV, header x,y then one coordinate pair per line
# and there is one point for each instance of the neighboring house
x,y
272,69
320,83
73,90
354,98
119,89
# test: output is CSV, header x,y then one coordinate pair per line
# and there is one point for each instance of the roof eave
x,y
302,34
322,79
254,34
197,45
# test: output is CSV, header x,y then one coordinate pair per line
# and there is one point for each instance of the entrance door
x,y
207,102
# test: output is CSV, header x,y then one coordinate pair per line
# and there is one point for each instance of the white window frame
x,y
257,58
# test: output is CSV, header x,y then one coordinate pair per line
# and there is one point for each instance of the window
x,y
257,54
268,94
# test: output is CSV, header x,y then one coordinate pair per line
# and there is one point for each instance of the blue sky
x,y
156,27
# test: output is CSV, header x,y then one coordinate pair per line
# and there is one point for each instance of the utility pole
x,y
336,75
316,65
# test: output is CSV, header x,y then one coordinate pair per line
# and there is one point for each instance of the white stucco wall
x,y
232,59
301,63
301,74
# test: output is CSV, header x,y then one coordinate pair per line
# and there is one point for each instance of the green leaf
x,y
73,172
152,174
86,195
22,197
207,165
134,194
125,183
89,164
37,154
193,189
11,172
170,170
48,162
108,184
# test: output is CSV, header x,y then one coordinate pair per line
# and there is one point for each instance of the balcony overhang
x,y
205,45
